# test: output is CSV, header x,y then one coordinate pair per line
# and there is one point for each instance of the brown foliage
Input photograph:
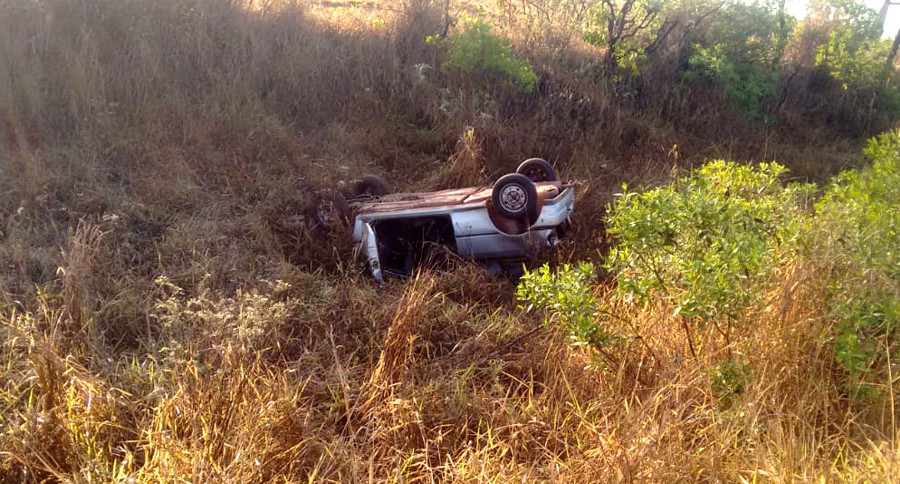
x,y
168,312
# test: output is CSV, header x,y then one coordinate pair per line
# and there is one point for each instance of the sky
x,y
797,8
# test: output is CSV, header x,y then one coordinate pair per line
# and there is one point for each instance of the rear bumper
x,y
476,222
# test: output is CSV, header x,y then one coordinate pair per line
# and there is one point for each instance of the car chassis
x,y
500,225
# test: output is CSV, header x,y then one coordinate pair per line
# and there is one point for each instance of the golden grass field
x,y
167,316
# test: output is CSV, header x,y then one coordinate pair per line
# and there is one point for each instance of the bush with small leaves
x,y
566,296
747,86
478,51
706,244
858,229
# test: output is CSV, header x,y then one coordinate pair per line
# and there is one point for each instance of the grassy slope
x,y
166,314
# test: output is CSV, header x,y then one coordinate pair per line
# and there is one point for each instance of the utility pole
x,y
889,65
882,14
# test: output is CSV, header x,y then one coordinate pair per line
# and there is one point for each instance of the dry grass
x,y
167,315
465,167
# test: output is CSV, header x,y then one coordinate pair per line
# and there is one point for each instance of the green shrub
x,y
858,64
747,86
858,228
742,49
708,243
626,31
478,51
729,380
566,297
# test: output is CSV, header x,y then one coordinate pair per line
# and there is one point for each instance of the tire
x,y
538,170
515,196
332,210
372,185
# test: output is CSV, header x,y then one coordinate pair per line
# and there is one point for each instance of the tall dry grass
x,y
458,391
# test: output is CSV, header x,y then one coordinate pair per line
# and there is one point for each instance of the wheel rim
x,y
513,198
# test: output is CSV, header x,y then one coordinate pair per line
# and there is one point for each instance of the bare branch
x,y
661,35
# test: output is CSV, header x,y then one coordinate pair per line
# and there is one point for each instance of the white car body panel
x,y
369,248
476,234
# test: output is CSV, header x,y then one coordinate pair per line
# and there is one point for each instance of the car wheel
x,y
515,196
537,170
332,210
372,185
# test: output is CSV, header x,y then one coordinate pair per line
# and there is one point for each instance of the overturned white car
x,y
499,225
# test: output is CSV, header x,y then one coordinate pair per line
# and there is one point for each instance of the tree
x,y
858,58
850,25
743,49
621,20
633,30
889,65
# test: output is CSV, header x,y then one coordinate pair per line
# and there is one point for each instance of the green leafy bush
x,y
747,86
729,379
566,296
858,228
634,29
478,51
855,58
708,243
741,50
